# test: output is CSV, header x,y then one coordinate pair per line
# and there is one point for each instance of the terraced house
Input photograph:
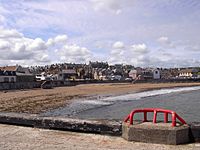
x,y
188,73
7,76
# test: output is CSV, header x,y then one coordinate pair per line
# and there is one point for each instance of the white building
x,y
68,74
156,74
188,73
133,74
40,77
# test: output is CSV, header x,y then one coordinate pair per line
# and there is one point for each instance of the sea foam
x,y
139,95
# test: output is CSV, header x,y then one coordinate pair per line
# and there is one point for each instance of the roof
x,y
133,71
23,74
69,71
7,73
188,71
9,68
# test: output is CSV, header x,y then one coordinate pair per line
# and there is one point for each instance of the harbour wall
x,y
109,127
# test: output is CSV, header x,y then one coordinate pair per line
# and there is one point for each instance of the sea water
x,y
185,101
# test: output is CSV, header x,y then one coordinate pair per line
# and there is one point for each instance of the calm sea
x,y
185,101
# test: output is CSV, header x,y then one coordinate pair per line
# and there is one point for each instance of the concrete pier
x,y
105,127
161,133
90,126
194,132
27,138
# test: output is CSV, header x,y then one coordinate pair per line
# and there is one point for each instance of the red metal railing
x,y
155,111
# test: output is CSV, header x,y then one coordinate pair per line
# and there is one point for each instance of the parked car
x,y
128,79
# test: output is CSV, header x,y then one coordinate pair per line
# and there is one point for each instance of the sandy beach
x,y
41,100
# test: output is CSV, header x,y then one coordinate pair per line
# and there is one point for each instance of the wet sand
x,y
41,100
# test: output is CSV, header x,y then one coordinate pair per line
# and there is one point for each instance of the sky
x,y
145,33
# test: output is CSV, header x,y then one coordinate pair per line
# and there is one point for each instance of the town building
x,y
156,74
68,74
22,74
7,76
188,73
133,74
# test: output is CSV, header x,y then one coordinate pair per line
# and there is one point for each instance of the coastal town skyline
x,y
97,62
139,33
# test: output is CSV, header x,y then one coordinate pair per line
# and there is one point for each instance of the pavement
x,y
27,138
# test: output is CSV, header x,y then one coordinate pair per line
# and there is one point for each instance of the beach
x,y
41,100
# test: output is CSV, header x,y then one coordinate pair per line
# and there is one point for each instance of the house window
x,y
12,79
6,79
156,72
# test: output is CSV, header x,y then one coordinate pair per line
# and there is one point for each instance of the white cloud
x,y
92,22
141,55
74,53
118,45
117,56
135,54
117,53
15,47
139,48
164,41
194,48
114,6
107,4
37,45
10,33
4,44
138,54
18,47
50,42
60,39
2,19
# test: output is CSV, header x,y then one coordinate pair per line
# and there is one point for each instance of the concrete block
x,y
92,126
18,119
161,133
195,132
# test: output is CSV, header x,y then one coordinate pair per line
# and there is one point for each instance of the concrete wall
x,y
91,126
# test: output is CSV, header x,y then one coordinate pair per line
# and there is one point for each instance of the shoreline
x,y
41,100
143,90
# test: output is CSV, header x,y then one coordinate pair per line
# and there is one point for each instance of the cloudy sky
x,y
154,33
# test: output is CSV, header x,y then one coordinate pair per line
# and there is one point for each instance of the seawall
x,y
109,127
34,84
89,126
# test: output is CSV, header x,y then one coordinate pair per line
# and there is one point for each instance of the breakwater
x,y
109,127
